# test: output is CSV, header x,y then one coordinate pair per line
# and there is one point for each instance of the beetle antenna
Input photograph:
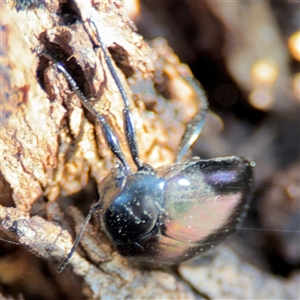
x,y
127,116
194,127
78,238
110,137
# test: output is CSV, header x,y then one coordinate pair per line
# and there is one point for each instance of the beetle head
x,y
131,205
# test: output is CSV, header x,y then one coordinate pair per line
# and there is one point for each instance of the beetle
x,y
173,213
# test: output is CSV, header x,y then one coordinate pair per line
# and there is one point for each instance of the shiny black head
x,y
130,206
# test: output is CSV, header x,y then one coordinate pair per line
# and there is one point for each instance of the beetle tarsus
x,y
194,128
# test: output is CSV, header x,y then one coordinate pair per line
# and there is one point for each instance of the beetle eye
x,y
133,213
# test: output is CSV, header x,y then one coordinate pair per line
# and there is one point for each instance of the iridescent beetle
x,y
170,214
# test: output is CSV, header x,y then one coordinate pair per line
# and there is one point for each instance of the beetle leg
x,y
194,127
10,242
78,238
127,116
110,137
